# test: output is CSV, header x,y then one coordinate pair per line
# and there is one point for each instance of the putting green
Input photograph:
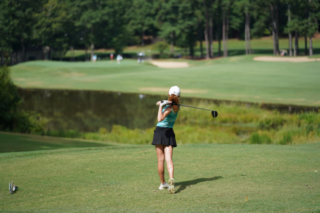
x,y
235,78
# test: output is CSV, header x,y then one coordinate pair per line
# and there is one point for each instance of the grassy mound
x,y
232,178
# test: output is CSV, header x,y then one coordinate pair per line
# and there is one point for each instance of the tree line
x,y
62,25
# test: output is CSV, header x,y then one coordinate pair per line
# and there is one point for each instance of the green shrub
x,y
28,122
260,139
272,123
103,130
255,138
287,139
11,119
64,133
308,117
309,128
161,46
10,100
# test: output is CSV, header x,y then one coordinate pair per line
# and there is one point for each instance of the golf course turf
x,y
21,142
226,178
235,78
73,175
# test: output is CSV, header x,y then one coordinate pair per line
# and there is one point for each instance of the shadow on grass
x,y
189,183
22,143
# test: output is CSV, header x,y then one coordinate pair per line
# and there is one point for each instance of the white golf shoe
x,y
171,185
163,186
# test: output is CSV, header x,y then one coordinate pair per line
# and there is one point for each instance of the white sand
x,y
285,59
164,64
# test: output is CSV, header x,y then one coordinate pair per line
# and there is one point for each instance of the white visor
x,y
174,90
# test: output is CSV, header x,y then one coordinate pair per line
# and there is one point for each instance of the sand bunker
x,y
163,64
162,89
285,59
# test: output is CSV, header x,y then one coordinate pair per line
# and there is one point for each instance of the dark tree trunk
x,y
290,35
224,31
247,33
200,37
227,32
92,52
142,39
206,30
210,29
207,43
310,38
219,40
296,44
42,53
305,45
277,28
172,38
210,36
191,48
219,46
23,50
274,28
11,58
310,46
201,49
219,31
305,37
86,57
2,59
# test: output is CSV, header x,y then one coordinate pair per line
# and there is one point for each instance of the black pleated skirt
x,y
164,136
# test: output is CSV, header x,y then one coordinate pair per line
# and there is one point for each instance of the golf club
x,y
213,113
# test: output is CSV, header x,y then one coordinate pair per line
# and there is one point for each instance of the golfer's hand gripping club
x,y
165,102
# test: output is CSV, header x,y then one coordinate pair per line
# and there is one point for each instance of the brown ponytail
x,y
175,100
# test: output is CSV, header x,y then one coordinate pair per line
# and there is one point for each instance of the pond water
x,y
88,111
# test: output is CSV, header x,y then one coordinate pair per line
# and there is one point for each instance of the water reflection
x,y
90,110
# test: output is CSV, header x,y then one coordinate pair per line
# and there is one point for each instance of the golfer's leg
x,y
160,154
168,156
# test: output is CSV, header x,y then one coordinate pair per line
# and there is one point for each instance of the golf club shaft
x,y
193,107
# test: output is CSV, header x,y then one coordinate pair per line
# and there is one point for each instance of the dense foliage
x,y
12,119
61,25
10,99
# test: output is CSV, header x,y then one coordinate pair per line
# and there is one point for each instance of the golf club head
x,y
214,114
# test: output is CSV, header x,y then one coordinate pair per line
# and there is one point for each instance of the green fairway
x,y
209,178
234,78
20,142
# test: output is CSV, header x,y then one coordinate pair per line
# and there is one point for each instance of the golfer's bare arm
x,y
162,116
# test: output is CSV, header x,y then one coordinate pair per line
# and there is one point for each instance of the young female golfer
x,y
164,137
